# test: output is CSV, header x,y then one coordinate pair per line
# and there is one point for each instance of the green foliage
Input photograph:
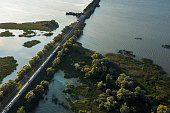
x,y
41,54
58,38
7,87
29,44
124,108
50,71
37,93
139,94
56,62
30,96
45,84
108,92
21,110
110,104
124,81
101,85
34,61
124,94
21,73
149,76
7,66
163,109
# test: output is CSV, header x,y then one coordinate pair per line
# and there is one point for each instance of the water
x,y
56,87
30,11
116,23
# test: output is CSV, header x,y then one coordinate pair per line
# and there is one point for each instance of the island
x,y
29,27
137,38
32,43
7,66
166,46
28,33
48,34
6,34
40,25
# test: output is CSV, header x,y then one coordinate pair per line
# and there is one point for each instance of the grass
x,y
40,25
7,66
29,44
6,34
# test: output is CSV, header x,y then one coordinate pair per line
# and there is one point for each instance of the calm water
x,y
116,23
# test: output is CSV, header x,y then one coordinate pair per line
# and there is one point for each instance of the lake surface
x,y
116,23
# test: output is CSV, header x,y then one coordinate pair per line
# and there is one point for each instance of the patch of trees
x,y
33,96
105,90
23,72
31,43
99,68
6,88
7,66
150,76
21,110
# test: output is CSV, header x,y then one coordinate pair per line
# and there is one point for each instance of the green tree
x,y
56,62
124,109
30,96
139,93
40,54
45,84
25,69
34,61
163,109
50,71
39,91
125,81
21,110
108,91
101,85
124,94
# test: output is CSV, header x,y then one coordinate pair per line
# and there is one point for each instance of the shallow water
x,y
56,87
116,23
